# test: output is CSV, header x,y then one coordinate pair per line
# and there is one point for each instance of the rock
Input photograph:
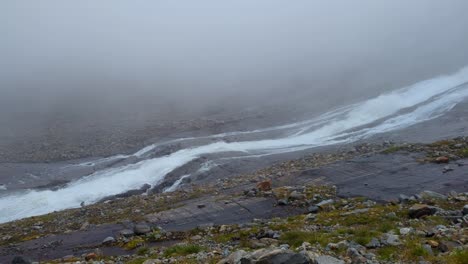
x,y
108,240
141,229
126,233
91,256
465,209
446,246
374,243
313,209
196,238
432,195
442,159
269,241
295,195
405,231
201,206
355,256
433,243
238,257
403,198
20,260
340,245
420,210
282,202
310,217
428,249
325,203
327,260
391,239
264,186
224,228
152,261
282,257
447,169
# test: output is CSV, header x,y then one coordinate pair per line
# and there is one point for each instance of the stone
x,y
405,231
403,198
310,217
325,259
428,249
295,195
224,228
196,237
282,202
108,240
20,260
238,257
465,209
447,169
264,186
141,229
325,203
420,210
355,256
313,209
433,243
91,256
432,195
126,233
374,243
442,159
282,257
391,239
152,261
201,206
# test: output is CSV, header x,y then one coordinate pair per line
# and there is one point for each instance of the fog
x,y
120,60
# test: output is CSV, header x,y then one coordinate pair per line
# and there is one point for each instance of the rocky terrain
x,y
308,210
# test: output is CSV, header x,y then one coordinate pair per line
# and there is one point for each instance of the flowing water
x,y
391,111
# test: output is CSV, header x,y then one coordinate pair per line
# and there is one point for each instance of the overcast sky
x,y
100,55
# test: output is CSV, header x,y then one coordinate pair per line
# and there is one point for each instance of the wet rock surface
x,y
308,213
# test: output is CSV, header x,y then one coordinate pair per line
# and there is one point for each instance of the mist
x,y
130,61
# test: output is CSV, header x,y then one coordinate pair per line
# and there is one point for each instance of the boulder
x,y
391,239
465,209
442,159
355,256
20,260
325,259
295,195
126,233
420,210
282,202
108,240
432,195
313,209
374,243
283,257
325,203
264,186
141,229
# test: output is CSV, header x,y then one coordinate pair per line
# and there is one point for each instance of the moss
x,y
458,257
442,143
387,253
136,261
182,250
143,251
392,149
296,238
134,243
463,153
